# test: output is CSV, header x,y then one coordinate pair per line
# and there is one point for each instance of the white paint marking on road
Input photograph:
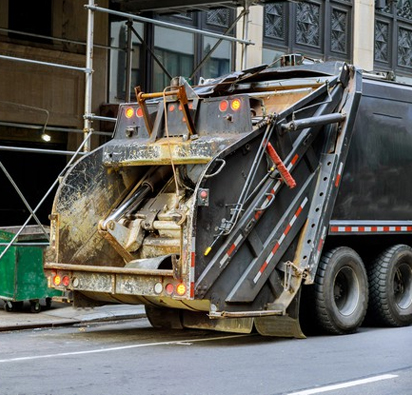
x,y
344,385
100,350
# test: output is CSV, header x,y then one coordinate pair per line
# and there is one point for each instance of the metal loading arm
x,y
251,217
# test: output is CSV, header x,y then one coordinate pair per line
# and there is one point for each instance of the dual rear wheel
x,y
343,288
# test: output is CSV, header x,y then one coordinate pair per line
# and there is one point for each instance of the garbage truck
x,y
247,202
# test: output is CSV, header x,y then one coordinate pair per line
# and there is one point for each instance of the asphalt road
x,y
133,358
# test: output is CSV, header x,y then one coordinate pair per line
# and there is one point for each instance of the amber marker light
x,y
235,104
129,112
181,289
57,280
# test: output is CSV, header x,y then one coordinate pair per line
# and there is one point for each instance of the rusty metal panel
x,y
93,282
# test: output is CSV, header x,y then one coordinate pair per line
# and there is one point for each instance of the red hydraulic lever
x,y
284,172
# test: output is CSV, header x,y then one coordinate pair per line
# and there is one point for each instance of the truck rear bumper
x,y
123,285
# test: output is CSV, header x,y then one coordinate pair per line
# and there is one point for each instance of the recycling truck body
x,y
247,202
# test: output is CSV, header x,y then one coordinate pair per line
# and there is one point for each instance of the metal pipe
x,y
26,203
69,163
62,66
167,24
108,269
99,118
89,75
129,205
313,121
55,129
245,34
63,40
129,59
38,150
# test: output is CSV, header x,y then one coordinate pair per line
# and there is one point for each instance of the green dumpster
x,y
21,269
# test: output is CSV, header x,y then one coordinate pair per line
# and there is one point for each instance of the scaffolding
x,y
88,116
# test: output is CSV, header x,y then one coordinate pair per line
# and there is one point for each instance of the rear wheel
x,y
390,284
164,318
341,291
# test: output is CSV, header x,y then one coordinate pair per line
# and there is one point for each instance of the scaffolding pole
x,y
88,76
167,24
245,33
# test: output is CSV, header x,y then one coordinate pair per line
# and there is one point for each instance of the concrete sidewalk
x,y
64,314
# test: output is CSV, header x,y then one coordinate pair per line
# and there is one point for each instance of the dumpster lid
x,y
30,232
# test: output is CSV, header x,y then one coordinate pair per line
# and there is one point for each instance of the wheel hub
x,y
346,291
402,285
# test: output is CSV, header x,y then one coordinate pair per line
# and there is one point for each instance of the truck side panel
x,y
376,180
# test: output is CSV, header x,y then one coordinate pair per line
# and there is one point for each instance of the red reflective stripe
x,y
263,267
275,248
356,229
192,259
231,249
192,289
258,214
295,159
337,180
320,245
299,211
287,229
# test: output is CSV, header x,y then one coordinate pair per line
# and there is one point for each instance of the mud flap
x,y
282,326
200,320
164,318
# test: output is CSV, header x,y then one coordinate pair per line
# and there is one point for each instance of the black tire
x,y
35,306
164,318
341,291
390,284
8,306
13,306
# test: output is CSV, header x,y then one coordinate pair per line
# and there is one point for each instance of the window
x,y
118,60
317,29
393,38
178,51
175,50
220,59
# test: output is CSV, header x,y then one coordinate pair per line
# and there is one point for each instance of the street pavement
x,y
61,314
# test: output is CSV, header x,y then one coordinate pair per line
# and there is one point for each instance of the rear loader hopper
x,y
245,201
